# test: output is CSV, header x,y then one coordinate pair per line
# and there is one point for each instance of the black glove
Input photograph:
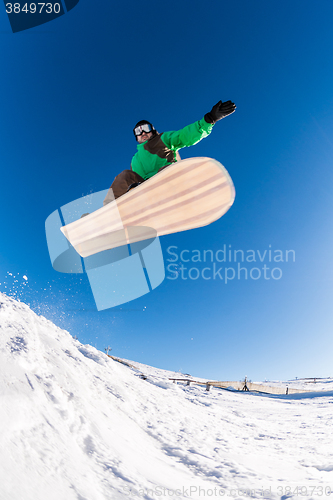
x,y
219,111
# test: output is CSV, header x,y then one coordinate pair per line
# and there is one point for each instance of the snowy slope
x,y
77,425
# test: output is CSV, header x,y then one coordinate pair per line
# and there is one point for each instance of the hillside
x,y
77,425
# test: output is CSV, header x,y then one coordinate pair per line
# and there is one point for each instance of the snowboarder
x,y
157,151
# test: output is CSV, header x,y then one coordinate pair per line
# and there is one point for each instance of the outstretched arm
x,y
192,134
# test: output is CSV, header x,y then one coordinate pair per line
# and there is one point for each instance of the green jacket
x,y
160,150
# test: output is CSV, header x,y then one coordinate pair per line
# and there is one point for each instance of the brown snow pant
x,y
121,184
123,181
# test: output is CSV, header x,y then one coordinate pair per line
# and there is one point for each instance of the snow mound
x,y
77,425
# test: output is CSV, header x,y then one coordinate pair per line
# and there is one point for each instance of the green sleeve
x,y
187,136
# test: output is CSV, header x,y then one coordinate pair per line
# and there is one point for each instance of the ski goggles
x,y
146,127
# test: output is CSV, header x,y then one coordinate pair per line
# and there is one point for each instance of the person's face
x,y
144,137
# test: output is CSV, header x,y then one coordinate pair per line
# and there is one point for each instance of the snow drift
x,y
77,425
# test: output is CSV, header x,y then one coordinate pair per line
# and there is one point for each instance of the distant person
x,y
157,151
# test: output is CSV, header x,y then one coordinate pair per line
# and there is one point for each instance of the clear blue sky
x,y
71,92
